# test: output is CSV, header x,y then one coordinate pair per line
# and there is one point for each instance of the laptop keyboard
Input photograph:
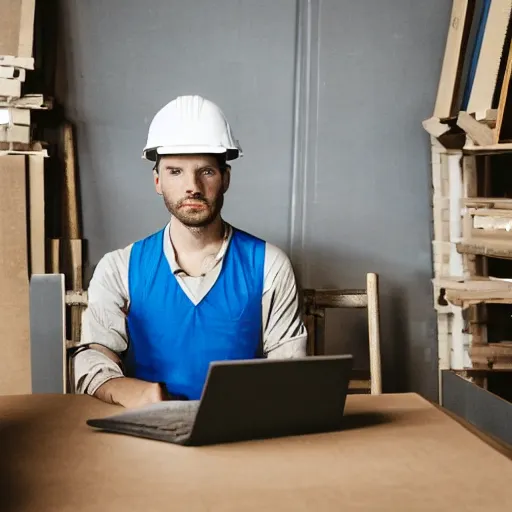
x,y
171,421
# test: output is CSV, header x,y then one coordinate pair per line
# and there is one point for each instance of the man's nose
x,y
192,185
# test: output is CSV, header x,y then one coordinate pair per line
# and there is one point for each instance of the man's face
x,y
192,186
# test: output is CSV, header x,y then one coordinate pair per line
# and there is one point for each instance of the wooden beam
x,y
493,149
503,97
488,202
486,247
448,82
492,355
435,127
36,215
336,298
480,133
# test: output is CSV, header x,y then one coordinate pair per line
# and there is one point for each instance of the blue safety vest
x,y
171,340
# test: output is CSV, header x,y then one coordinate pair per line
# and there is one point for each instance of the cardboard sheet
x,y
14,299
17,27
396,452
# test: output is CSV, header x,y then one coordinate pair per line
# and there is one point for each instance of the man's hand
x,y
130,392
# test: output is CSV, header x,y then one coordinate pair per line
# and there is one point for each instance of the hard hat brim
x,y
231,153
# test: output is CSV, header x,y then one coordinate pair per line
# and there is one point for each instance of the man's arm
x,y
284,333
98,370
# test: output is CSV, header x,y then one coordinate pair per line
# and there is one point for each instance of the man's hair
x,y
221,162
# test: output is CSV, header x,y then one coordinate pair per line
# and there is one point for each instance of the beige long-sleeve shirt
x,y
104,320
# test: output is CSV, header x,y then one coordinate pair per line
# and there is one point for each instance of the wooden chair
x,y
316,301
51,286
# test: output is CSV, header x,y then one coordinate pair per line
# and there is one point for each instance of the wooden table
x,y
397,452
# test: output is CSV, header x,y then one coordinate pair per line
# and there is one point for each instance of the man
x,y
199,290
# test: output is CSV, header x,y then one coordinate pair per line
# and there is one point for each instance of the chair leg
x,y
374,333
309,322
320,332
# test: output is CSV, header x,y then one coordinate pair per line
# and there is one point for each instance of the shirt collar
x,y
171,256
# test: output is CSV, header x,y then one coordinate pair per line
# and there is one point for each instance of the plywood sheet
x,y
489,60
452,60
17,27
14,301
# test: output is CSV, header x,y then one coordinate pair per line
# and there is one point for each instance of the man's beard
x,y
199,218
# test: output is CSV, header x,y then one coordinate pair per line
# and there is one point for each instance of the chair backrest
x,y
316,301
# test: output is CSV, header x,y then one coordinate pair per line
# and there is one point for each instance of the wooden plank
x,y
480,133
10,88
479,11
434,127
15,133
31,101
12,148
485,247
18,62
76,284
10,25
475,283
16,116
486,76
17,27
503,97
498,203
490,357
70,183
55,263
26,33
492,223
36,215
337,298
15,375
493,149
488,116
452,61
12,72
374,333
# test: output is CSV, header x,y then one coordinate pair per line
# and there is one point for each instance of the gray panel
x,y
477,406
47,332
124,59
367,195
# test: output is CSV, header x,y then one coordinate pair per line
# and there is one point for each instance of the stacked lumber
x,y
473,108
471,122
22,202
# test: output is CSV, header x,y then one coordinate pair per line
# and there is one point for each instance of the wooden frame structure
x,y
316,301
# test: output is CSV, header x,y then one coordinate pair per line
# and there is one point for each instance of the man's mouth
x,y
193,204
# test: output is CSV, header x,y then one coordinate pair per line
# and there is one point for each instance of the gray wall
x,y
327,99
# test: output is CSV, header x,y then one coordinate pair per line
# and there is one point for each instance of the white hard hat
x,y
190,124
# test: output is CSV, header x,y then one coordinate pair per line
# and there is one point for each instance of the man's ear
x,y
226,178
156,178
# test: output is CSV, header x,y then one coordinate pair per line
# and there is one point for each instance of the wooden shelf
x,y
475,290
496,203
493,149
490,246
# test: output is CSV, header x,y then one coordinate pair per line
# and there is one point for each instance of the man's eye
x,y
208,172
174,172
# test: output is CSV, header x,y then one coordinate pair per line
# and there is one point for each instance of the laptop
x,y
247,400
